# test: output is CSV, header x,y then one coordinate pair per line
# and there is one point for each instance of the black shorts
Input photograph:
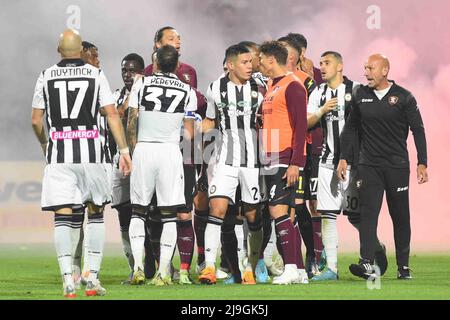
x,y
190,188
302,186
279,193
313,174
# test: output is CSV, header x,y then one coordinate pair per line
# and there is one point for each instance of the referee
x,y
383,113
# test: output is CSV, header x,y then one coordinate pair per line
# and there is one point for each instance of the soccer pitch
x,y
32,273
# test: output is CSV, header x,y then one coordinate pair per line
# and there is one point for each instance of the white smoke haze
x,y
413,34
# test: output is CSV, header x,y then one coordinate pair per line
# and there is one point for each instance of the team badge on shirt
x,y
348,97
187,77
212,189
392,100
254,94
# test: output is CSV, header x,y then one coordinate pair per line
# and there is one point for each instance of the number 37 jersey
x,y
163,101
71,93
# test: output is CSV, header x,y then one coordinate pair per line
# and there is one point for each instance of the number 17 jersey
x,y
72,93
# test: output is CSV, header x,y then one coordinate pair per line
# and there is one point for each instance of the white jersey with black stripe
x,y
236,108
71,93
163,101
333,122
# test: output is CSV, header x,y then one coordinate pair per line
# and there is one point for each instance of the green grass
x,y
32,273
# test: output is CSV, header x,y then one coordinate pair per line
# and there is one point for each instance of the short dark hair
x,y
335,54
87,45
135,57
167,57
249,44
292,43
276,50
235,50
299,38
160,32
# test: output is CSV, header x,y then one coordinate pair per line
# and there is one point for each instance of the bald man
x,y
382,114
74,175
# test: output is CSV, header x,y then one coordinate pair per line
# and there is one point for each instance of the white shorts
x,y
334,196
73,185
225,180
157,167
120,185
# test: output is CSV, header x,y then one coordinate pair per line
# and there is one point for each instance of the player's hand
x,y
307,66
291,175
341,170
422,174
330,105
125,164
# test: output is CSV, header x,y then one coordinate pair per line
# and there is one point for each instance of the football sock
x,y
168,243
63,243
298,245
305,227
212,240
185,242
255,237
317,233
200,221
137,238
330,240
271,245
286,236
96,231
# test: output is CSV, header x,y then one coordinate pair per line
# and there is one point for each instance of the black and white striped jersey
x,y
120,95
71,93
333,122
236,108
163,101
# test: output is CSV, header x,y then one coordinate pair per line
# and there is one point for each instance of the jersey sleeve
x,y
105,96
314,101
133,101
191,104
416,125
38,97
211,106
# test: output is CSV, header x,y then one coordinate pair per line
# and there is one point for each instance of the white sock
x,y
212,242
167,247
96,230
63,243
127,248
239,230
137,239
330,242
271,246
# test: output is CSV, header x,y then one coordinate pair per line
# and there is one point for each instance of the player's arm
x,y
38,128
37,113
315,112
416,125
209,122
296,105
132,128
189,115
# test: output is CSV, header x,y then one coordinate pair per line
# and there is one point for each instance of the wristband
x,y
124,151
